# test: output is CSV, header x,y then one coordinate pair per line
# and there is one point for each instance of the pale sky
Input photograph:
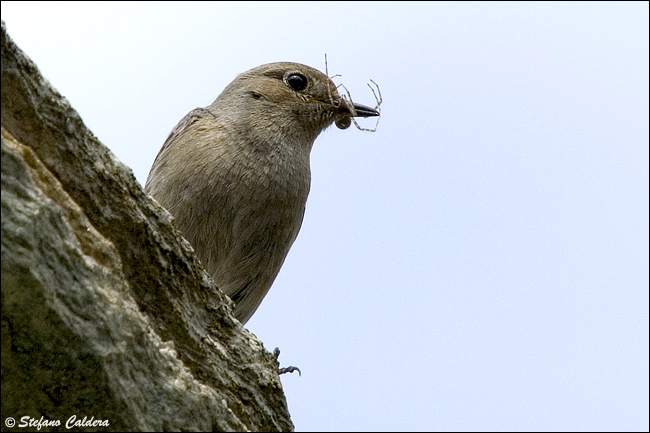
x,y
480,262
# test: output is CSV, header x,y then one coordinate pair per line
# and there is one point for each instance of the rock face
x,y
106,313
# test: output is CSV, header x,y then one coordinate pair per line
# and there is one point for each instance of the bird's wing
x,y
187,121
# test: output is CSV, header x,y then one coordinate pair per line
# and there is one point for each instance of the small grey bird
x,y
235,174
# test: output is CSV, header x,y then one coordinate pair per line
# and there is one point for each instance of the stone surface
x,y
106,313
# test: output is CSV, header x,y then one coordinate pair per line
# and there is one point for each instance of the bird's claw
x,y
283,370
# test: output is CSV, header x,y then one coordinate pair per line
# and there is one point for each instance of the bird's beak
x,y
364,111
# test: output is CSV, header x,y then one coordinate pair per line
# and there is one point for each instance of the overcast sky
x,y
480,262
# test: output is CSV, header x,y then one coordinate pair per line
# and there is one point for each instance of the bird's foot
x,y
290,369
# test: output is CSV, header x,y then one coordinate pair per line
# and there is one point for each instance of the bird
x,y
235,175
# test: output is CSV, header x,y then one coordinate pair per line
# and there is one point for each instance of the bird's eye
x,y
297,82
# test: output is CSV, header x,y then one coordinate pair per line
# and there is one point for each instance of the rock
x,y
106,312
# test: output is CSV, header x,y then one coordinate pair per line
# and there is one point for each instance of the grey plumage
x,y
235,175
